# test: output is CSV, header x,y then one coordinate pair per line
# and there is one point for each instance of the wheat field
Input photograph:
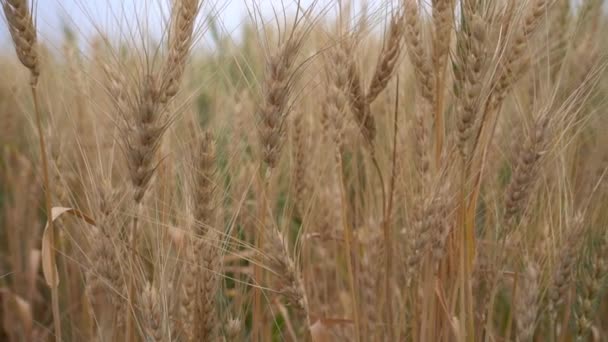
x,y
428,170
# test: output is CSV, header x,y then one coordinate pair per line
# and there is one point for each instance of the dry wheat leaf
x,y
48,268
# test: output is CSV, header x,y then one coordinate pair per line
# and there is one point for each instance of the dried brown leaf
x,y
49,269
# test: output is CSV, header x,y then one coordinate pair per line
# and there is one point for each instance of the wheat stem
x,y
48,205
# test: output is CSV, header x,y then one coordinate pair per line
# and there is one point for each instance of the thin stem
x,y
510,315
258,271
466,247
48,205
381,179
348,238
130,331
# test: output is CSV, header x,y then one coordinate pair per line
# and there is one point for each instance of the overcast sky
x,y
121,16
109,13
113,16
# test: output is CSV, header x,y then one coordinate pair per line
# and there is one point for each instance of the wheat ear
x,y
595,277
180,41
389,56
338,90
442,14
292,286
152,313
278,85
197,298
418,54
23,33
471,61
515,61
525,173
566,264
207,245
527,302
357,99
336,69
209,256
143,143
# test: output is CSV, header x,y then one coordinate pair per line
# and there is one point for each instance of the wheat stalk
x,y
23,34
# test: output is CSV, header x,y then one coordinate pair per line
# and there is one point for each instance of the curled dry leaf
x,y
48,268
